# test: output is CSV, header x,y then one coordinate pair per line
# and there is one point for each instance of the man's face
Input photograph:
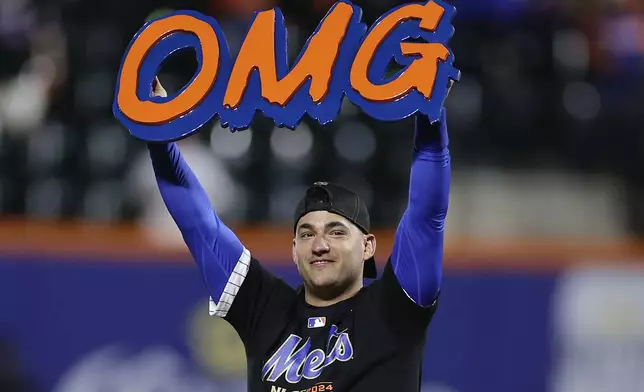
x,y
330,251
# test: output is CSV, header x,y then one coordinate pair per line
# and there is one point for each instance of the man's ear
x,y
369,246
294,254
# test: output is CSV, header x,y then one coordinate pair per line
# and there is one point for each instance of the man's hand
x,y
157,89
432,137
449,88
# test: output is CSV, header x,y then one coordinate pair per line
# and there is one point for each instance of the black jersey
x,y
373,341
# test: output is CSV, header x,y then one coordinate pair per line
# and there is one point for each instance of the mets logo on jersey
x,y
296,363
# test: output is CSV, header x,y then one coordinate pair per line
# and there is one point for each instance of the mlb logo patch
x,y
317,322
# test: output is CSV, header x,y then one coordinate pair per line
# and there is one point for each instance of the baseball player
x,y
332,333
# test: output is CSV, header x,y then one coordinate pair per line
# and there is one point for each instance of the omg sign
x,y
342,58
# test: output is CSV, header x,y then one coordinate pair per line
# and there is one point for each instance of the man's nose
x,y
320,246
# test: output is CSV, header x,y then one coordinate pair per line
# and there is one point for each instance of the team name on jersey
x,y
295,364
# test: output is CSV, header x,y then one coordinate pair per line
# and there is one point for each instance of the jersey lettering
x,y
296,364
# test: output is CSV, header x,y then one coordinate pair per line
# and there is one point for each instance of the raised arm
x,y
222,259
241,291
417,254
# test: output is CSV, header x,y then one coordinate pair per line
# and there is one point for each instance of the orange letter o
x,y
147,112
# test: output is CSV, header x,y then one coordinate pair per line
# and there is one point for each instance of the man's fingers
x,y
157,89
449,87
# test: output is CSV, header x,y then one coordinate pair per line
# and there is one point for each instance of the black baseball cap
x,y
334,198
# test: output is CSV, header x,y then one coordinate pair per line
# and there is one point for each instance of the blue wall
x,y
491,332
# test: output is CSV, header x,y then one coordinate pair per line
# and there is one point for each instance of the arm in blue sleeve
x,y
215,248
417,254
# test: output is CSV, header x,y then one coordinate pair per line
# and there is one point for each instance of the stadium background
x,y
544,281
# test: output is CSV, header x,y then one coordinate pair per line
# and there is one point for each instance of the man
x,y
332,333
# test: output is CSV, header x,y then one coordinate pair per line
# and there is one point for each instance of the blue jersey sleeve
x,y
222,259
417,254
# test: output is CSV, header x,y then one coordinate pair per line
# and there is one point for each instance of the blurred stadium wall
x,y
544,281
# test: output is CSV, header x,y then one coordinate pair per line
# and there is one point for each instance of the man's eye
x,y
306,235
337,232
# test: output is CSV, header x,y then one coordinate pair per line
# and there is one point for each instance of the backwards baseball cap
x,y
334,198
